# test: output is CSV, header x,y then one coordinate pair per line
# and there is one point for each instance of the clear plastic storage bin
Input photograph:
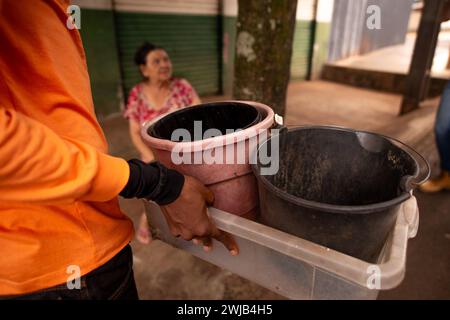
x,y
296,268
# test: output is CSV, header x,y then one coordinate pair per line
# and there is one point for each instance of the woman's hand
x,y
145,152
147,157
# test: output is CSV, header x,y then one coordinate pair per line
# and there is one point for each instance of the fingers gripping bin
x,y
296,268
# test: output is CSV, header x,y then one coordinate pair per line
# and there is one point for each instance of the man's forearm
x,y
153,181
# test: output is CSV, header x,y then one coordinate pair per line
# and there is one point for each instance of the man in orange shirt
x,y
58,186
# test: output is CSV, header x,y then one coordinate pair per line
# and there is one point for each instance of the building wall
x,y
189,30
394,25
99,41
322,31
350,35
199,36
303,39
112,30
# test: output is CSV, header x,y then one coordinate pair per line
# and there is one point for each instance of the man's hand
x,y
187,217
183,201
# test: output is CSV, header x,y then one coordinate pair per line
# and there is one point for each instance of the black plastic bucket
x,y
220,115
339,187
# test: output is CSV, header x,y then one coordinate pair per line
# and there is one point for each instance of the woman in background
x,y
158,93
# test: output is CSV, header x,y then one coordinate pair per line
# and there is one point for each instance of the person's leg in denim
x,y
442,132
442,129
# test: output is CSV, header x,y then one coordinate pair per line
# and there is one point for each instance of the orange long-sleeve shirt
x,y
58,186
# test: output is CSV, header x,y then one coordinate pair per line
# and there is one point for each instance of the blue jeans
x,y
442,128
112,281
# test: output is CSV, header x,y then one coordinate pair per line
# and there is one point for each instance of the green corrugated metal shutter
x,y
303,39
192,41
302,49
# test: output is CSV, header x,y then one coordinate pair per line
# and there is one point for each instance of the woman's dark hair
x,y
142,52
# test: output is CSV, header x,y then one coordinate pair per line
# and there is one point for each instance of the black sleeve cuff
x,y
153,181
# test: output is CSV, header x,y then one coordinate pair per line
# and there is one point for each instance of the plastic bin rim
x,y
327,259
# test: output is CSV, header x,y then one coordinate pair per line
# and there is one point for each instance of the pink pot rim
x,y
210,143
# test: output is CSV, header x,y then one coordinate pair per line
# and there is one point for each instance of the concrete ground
x,y
428,265
397,58
163,272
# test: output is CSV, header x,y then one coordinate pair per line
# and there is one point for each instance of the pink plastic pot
x,y
233,184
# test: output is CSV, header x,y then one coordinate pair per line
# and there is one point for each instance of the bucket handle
x,y
278,124
408,182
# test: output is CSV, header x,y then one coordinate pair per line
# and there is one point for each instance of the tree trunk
x,y
265,31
